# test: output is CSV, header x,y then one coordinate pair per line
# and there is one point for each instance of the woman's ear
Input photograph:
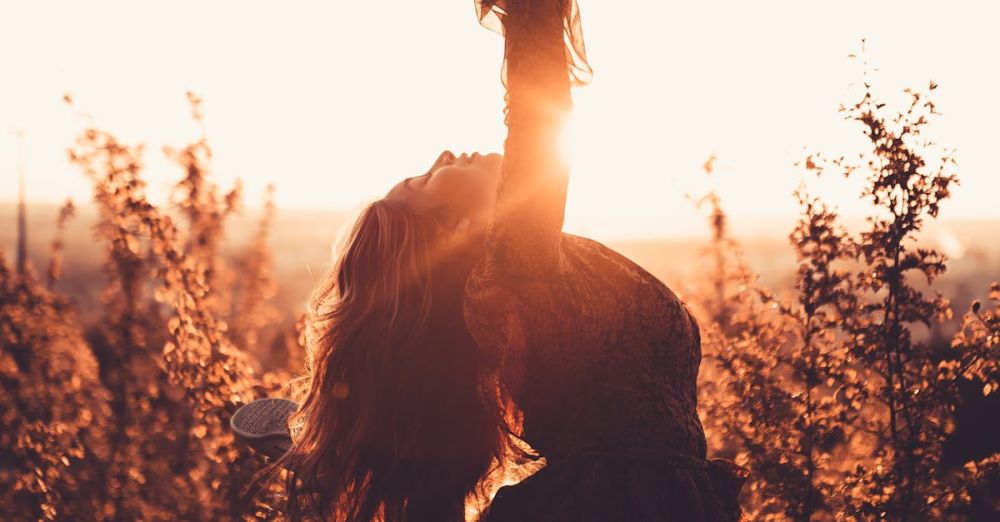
x,y
462,226
458,233
456,238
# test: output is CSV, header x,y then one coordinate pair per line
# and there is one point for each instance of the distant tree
x,y
22,209
252,309
66,212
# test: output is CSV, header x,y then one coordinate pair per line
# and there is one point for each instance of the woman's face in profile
x,y
466,183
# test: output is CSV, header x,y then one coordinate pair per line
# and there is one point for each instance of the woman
x,y
394,425
462,274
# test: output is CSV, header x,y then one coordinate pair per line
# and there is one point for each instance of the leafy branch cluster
x,y
128,418
827,395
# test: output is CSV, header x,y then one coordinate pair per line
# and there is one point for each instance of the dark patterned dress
x,y
600,356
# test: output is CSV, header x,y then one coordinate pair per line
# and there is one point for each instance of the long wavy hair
x,y
395,424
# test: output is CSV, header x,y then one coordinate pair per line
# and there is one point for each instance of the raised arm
x,y
524,237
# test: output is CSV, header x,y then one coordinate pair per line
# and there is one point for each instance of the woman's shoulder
x,y
588,270
585,252
591,260
577,246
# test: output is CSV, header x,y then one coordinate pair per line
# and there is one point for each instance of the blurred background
x,y
335,102
172,292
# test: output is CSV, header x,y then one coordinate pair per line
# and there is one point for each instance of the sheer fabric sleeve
x,y
509,295
492,13
544,55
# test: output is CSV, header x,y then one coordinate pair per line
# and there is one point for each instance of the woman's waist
x,y
669,458
641,437
651,451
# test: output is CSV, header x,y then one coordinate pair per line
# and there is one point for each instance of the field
x,y
850,366
301,242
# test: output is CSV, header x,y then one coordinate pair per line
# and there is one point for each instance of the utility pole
x,y
22,211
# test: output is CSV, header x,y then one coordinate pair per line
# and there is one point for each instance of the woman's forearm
x,y
532,191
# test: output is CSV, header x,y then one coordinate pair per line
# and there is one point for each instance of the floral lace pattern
x,y
602,357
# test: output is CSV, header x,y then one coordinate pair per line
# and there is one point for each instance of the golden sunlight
x,y
774,294
301,107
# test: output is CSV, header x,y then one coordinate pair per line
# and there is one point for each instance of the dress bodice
x,y
600,356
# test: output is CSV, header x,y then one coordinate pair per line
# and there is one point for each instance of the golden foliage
x,y
837,408
129,419
826,395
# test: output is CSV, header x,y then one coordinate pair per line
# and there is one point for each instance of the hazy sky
x,y
335,100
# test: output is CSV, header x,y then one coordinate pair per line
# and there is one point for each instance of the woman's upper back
x,y
596,352
600,356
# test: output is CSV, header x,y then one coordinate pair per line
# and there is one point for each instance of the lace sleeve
x,y
543,41
491,14
513,282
